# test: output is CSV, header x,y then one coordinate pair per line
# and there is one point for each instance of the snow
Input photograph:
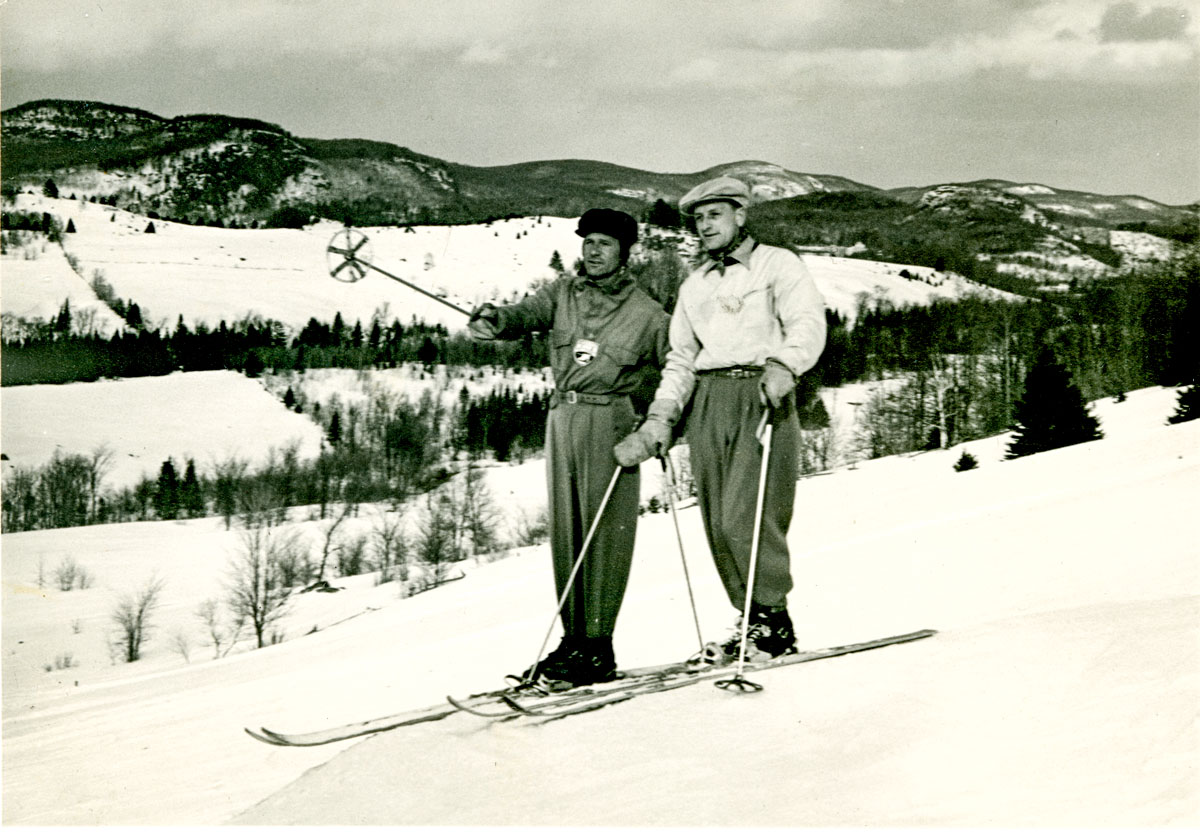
x,y
210,417
1061,690
1030,190
1137,246
37,279
1069,208
842,281
211,274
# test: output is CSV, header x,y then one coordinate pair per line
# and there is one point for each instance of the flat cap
x,y
722,188
616,224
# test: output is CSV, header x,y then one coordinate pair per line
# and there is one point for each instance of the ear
x,y
739,216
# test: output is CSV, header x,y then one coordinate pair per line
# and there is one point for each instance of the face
x,y
718,223
601,255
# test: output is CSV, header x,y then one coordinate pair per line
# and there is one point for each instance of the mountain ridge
x,y
77,141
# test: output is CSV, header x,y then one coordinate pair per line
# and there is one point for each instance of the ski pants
x,y
726,459
579,466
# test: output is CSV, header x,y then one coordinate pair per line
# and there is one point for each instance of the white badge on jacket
x,y
585,351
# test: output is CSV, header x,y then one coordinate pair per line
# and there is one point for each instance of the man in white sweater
x,y
749,321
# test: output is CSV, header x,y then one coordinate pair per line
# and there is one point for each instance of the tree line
x,y
383,449
54,352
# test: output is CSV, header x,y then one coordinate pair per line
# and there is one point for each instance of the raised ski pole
x,y
669,468
739,682
351,245
527,682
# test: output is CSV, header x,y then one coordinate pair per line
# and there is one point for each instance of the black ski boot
x,y
575,662
553,662
770,635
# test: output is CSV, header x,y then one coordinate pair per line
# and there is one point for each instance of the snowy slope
x,y
1062,688
35,280
211,274
209,416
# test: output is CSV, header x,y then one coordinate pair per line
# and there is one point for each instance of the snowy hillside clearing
x,y
208,416
35,281
212,274
1062,688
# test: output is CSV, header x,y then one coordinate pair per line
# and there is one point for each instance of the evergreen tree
x,y
133,317
191,494
427,353
166,493
966,462
150,228
663,215
62,324
254,366
50,189
1051,413
70,226
1187,406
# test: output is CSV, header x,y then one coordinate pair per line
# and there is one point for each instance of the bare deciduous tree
x,y
258,593
435,545
531,527
98,465
66,573
476,512
222,634
388,551
132,616
331,542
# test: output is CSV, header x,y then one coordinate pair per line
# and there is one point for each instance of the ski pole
x,y
353,263
739,682
669,468
527,682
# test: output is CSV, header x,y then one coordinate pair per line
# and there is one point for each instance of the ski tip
x,y
514,705
264,736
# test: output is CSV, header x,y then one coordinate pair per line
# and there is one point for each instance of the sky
x,y
1094,95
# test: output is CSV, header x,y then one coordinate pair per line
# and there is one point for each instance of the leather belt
x,y
574,397
745,371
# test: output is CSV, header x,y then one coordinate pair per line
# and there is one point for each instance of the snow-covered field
x,y
35,281
211,274
1063,688
210,417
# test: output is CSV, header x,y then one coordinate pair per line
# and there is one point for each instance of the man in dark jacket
x,y
604,332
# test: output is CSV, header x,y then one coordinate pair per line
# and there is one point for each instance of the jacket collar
x,y
739,253
610,284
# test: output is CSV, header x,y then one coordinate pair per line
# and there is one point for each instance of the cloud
x,y
1123,22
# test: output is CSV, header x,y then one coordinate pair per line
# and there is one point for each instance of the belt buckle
x,y
572,396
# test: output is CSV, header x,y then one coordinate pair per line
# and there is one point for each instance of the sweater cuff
x,y
664,410
778,363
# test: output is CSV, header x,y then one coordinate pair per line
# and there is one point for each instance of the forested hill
x,y
210,168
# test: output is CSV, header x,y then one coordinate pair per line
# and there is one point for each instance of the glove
x,y
776,383
485,322
651,440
